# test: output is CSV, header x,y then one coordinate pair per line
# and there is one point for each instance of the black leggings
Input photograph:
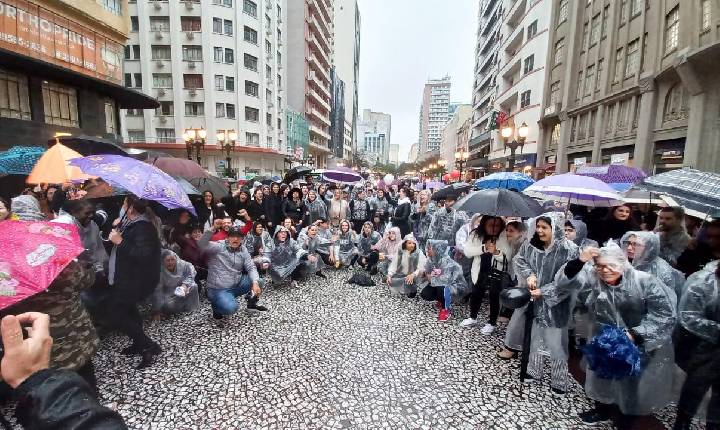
x,y
371,260
698,382
125,317
431,294
476,298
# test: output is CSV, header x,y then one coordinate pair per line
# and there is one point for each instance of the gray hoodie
x,y
226,266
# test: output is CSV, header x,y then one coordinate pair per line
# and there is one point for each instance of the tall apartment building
x,y
520,78
219,65
455,135
310,37
346,59
434,114
633,82
374,132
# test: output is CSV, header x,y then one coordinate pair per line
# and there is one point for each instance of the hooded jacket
x,y
285,256
318,246
699,311
672,243
449,273
581,231
473,248
226,266
387,246
315,210
445,223
27,208
421,219
365,243
164,298
253,243
346,244
90,236
406,262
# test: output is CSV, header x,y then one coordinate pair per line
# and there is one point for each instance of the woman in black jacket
x,y
401,216
209,210
294,208
274,206
257,209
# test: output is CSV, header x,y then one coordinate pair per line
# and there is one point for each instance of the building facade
x,y
217,65
337,117
346,59
485,86
311,28
374,133
394,154
434,114
633,82
61,71
413,154
454,139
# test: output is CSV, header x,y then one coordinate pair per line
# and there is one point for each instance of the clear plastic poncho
x,y
315,246
285,256
445,223
639,303
447,272
366,242
346,244
699,310
259,247
164,298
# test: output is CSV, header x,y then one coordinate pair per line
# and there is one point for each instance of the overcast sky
x,y
405,42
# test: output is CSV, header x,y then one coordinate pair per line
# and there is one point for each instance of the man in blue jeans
x,y
231,273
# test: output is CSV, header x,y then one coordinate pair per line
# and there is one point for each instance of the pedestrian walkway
x,y
328,355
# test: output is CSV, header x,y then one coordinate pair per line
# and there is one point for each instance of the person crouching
x,y
445,278
406,268
288,258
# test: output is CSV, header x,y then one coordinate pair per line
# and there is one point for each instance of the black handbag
x,y
496,279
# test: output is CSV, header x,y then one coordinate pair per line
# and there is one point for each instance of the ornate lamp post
x,y
194,139
507,133
227,142
461,158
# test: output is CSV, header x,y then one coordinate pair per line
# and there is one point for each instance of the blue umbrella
x,y
506,180
19,160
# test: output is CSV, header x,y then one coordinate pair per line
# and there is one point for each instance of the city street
x,y
327,355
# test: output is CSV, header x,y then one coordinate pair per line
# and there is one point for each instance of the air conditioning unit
x,y
163,119
160,64
158,6
190,35
159,35
161,92
193,92
191,65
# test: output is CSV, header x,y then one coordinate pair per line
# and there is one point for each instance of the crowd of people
x,y
652,272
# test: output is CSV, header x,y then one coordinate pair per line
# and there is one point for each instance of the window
x,y
15,97
268,97
595,30
279,36
230,110
252,114
219,83
138,80
162,80
250,8
598,79
555,136
159,23
268,47
252,139
579,85
132,52
525,99
636,115
229,56
623,11
114,6
230,84
562,11
279,82
618,65
529,64
636,7
268,119
555,92
165,108
532,30
192,53
228,27
279,58
250,35
631,62
192,82
227,3
194,109
220,110
190,23
610,120
251,89
593,117
60,104
676,104
251,62
165,135
585,37
160,52
589,76
672,27
134,24
605,17
706,21
582,126
218,54
267,19
136,136
573,129
128,80
268,70
622,120
559,51
217,26
134,112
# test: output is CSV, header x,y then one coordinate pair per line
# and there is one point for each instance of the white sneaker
x,y
293,284
487,329
468,322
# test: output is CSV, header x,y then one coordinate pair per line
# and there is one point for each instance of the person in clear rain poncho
x,y
288,258
616,294
446,222
642,248
445,278
345,251
421,216
536,264
405,270
367,238
177,291
699,317
259,244
387,249
576,231
317,247
315,208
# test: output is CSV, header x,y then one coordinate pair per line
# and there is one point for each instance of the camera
x,y
100,217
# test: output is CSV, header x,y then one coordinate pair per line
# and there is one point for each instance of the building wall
x,y
435,113
452,141
346,58
394,154
413,154
371,126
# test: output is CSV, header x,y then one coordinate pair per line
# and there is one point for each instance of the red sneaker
x,y
438,305
444,315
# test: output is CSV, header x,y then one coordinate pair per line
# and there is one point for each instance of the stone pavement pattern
x,y
328,355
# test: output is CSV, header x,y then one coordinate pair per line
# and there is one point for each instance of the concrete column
x,y
561,162
544,133
644,143
694,143
597,138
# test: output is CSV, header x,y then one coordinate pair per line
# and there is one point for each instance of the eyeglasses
x,y
635,245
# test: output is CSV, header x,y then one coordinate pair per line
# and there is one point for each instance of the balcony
x,y
488,7
316,98
319,143
492,40
318,67
317,49
317,84
517,11
490,23
318,115
322,11
553,110
319,29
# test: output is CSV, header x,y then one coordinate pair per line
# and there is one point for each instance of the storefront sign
x,y
28,29
580,161
620,158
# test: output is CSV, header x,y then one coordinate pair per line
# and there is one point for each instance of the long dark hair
x,y
480,229
535,241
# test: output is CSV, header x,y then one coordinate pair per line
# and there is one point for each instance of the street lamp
x,y
461,158
507,133
194,138
227,142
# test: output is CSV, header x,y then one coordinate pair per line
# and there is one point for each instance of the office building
x,y
455,135
374,132
394,154
346,59
433,115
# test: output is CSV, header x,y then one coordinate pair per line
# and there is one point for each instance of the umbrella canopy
x,y
179,167
142,179
213,184
695,190
342,175
53,167
451,190
506,180
298,172
499,202
32,256
614,173
19,160
90,145
575,189
187,187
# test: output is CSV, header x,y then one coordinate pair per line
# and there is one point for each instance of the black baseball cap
x,y
235,231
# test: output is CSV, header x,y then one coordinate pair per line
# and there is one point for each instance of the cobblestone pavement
x,y
328,355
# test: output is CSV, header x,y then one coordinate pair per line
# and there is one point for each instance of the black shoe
x,y
320,275
131,350
594,416
557,391
373,271
218,316
412,295
353,261
683,422
257,307
148,357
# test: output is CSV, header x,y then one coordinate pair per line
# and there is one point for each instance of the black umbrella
x,y
452,190
90,145
693,189
499,202
213,184
298,172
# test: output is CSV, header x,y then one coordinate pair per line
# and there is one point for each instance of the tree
x,y
386,168
360,158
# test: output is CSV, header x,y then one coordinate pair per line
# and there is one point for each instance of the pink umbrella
x,y
32,256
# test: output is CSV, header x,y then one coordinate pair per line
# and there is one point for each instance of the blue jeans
x,y
224,301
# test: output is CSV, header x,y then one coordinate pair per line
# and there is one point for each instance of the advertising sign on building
x,y
580,161
31,30
619,158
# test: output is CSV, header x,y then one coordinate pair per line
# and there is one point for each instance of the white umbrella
x,y
575,189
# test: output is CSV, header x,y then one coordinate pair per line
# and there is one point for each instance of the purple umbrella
x,y
342,175
613,174
142,179
575,189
